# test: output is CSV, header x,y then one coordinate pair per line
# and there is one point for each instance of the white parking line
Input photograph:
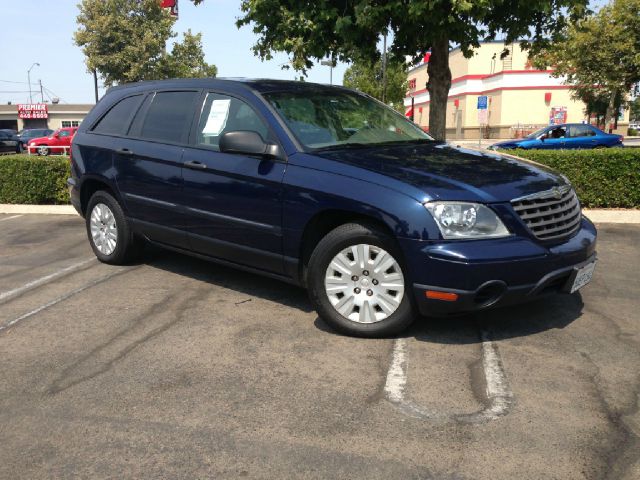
x,y
42,280
9,218
500,398
93,283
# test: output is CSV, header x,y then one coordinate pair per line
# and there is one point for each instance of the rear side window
x,y
169,116
582,131
116,121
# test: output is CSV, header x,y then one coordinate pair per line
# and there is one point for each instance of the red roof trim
x,y
483,92
481,76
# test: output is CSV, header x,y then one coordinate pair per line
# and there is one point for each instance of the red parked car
x,y
55,143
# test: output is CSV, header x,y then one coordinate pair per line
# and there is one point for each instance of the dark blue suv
x,y
326,188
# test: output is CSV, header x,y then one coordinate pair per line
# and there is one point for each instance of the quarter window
x,y
169,116
221,114
116,121
582,131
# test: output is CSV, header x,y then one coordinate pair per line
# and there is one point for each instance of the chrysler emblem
x,y
556,193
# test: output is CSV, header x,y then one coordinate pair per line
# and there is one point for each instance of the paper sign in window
x,y
217,119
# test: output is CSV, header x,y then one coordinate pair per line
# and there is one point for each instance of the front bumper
x,y
490,273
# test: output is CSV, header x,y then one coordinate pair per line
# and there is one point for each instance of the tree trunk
x,y
438,85
610,110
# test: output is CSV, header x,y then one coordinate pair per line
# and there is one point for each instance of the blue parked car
x,y
325,188
567,135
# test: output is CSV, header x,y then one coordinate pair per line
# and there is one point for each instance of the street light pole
x,y
29,80
330,64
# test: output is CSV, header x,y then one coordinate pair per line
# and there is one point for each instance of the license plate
x,y
583,276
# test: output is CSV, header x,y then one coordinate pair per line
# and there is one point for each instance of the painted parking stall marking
x,y
9,294
500,398
10,218
65,296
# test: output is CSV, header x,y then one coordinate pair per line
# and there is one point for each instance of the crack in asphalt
x,y
138,332
623,452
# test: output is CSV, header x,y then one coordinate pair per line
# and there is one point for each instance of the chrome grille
x,y
551,214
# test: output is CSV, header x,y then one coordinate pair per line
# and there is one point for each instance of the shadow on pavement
x,y
551,312
251,284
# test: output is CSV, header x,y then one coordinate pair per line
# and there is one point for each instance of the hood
x,y
515,141
445,172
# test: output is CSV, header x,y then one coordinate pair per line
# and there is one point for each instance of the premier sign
x,y
30,111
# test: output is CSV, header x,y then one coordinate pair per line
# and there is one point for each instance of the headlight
x,y
466,220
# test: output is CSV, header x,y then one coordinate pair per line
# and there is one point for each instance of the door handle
x,y
195,165
124,151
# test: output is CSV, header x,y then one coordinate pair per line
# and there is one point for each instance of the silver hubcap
x,y
104,231
43,150
364,283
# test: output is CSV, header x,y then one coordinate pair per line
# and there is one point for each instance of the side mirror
x,y
249,143
56,135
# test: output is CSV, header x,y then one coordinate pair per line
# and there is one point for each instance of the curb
x,y
613,216
37,209
629,216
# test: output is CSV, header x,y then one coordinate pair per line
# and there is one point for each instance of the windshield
x,y
537,133
339,118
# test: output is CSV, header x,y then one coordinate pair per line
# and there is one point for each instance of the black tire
x,y
331,245
43,150
128,246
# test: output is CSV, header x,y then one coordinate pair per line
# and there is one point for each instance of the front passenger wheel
x,y
357,282
110,235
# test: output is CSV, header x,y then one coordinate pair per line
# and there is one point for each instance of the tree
x,y
599,55
634,109
126,40
367,77
349,31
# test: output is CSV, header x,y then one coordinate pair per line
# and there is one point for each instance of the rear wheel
x,y
110,235
357,282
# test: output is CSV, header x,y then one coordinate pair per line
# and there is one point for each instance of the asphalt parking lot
x,y
175,368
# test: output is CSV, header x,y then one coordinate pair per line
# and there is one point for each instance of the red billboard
x,y
30,111
172,5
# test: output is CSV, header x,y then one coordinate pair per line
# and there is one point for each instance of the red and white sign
x,y
30,111
558,115
171,4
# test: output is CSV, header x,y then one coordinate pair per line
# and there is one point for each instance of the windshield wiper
x,y
339,146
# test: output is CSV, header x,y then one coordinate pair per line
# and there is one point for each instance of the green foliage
x,y
34,180
125,41
599,54
603,178
367,77
634,109
349,31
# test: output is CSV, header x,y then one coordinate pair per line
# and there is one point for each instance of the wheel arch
x,y
90,186
325,221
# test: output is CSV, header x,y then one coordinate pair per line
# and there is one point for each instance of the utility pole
x,y
384,68
41,94
95,83
29,80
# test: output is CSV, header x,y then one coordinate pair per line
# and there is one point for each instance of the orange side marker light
x,y
445,296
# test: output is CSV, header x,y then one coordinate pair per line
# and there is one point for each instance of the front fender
x,y
308,192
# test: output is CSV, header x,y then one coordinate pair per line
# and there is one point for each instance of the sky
x,y
48,40
41,31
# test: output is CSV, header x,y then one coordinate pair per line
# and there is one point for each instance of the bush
x,y
32,179
633,132
603,178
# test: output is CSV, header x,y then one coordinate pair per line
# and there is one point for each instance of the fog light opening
x,y
489,293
